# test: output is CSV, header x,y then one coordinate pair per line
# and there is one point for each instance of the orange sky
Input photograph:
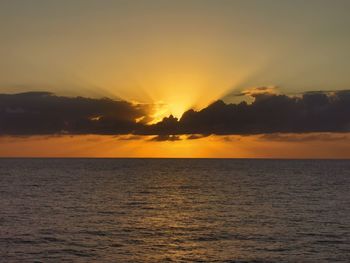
x,y
282,146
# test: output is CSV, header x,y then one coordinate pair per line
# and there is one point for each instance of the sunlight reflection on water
x,y
182,210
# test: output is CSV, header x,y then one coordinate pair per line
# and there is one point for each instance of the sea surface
x,y
174,210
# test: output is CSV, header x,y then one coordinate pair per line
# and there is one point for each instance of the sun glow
x,y
174,99
162,109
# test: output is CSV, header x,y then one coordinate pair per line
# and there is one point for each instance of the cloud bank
x,y
268,113
42,113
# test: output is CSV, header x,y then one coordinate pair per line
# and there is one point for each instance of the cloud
x,y
41,113
162,138
258,91
325,137
230,138
196,136
311,112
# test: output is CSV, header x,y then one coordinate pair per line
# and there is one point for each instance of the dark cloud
x,y
230,138
303,137
196,136
272,113
40,113
162,138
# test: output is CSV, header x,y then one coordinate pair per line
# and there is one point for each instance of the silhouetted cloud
x,y
304,137
162,138
230,138
196,136
40,113
258,91
269,113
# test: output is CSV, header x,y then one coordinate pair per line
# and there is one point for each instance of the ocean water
x,y
174,210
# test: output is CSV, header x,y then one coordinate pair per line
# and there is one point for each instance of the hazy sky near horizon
x,y
178,55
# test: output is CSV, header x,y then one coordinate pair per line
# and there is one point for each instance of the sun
x,y
162,109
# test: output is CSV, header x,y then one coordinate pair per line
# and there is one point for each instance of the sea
x,y
174,210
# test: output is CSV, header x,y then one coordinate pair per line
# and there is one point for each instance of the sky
x,y
167,57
